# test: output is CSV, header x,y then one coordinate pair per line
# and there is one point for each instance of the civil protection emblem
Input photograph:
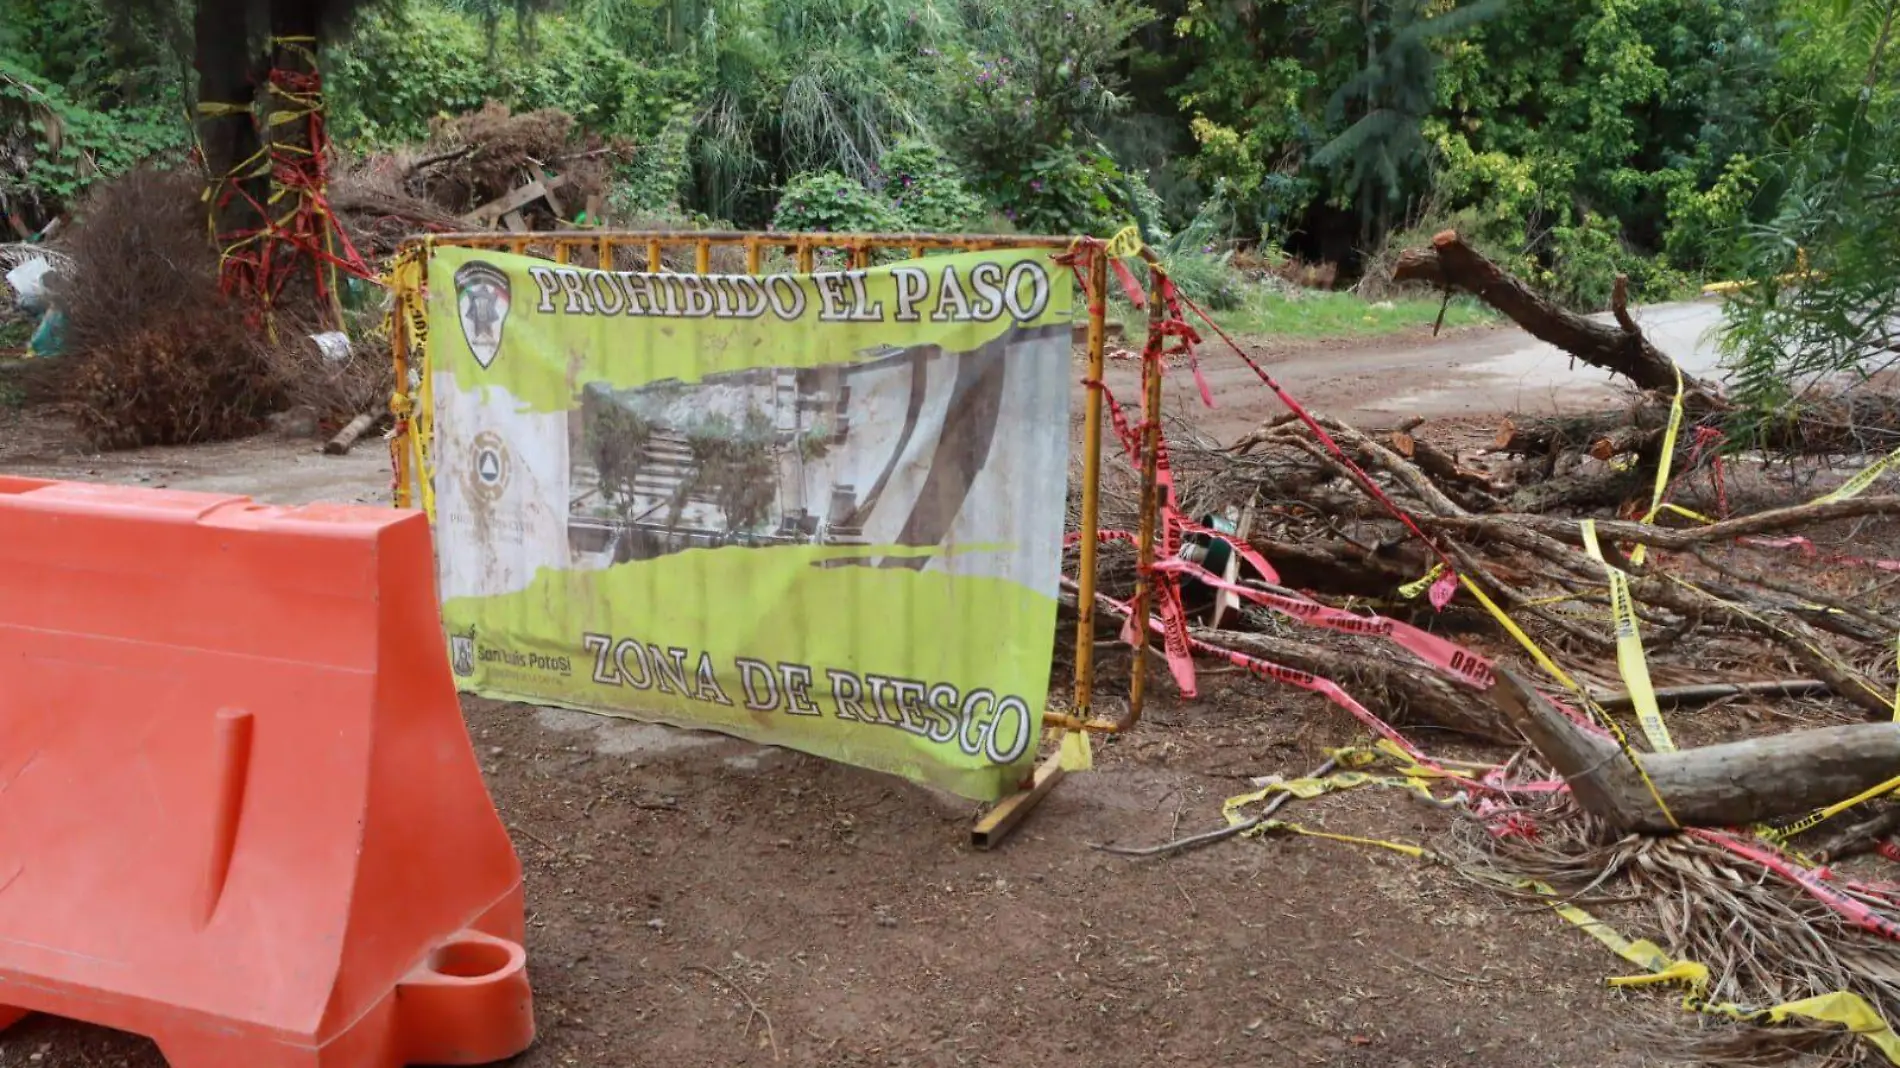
x,y
481,302
491,467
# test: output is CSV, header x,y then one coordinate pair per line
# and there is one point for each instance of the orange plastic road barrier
x,y
239,811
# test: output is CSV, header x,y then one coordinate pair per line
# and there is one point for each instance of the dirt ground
x,y
696,900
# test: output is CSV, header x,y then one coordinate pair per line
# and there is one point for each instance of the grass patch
x,y
1330,314
1322,314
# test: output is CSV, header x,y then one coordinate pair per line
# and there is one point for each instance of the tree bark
x,y
1620,349
227,128
1729,785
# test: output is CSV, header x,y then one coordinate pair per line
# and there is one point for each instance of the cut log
x,y
346,437
1855,421
1729,785
1444,469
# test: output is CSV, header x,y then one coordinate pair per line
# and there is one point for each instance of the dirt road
x,y
678,880
1476,372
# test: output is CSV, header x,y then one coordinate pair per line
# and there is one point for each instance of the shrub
x,y
829,202
1586,258
186,376
926,190
57,148
1198,265
155,353
1705,226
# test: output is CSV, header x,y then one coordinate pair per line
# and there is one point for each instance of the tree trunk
x,y
297,144
1729,785
227,128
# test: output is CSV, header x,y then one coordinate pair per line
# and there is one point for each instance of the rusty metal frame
x,y
580,246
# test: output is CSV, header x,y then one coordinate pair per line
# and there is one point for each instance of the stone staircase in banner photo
x,y
666,462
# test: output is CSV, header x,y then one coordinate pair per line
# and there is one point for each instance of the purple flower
x,y
1036,184
1010,214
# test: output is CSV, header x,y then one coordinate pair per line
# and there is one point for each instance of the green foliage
x,y
1337,314
617,436
408,64
1195,259
1821,295
1706,225
1586,258
735,465
829,202
1384,149
659,173
56,146
1574,139
1019,104
927,191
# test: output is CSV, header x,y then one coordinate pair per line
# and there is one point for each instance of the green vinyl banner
x,y
819,511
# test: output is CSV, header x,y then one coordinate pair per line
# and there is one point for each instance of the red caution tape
x,y
1454,660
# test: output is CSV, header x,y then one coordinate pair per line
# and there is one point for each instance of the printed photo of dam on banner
x,y
885,450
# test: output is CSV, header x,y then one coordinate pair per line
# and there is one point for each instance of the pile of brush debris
x,y
1609,570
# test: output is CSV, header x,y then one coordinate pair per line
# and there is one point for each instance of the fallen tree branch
x,y
1452,264
1775,519
1708,693
1731,785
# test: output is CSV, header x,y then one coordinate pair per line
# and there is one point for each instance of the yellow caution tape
x,y
1125,243
1815,818
1839,1007
1857,485
1817,650
1667,461
406,278
1306,789
1411,590
1630,662
1545,602
1544,661
1412,851
1076,754
1687,513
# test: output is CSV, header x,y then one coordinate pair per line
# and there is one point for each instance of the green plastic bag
x,y
50,337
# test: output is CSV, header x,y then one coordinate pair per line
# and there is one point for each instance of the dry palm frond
x,y
1764,941
16,253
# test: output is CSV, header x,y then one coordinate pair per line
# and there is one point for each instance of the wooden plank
x,y
996,824
560,212
520,198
